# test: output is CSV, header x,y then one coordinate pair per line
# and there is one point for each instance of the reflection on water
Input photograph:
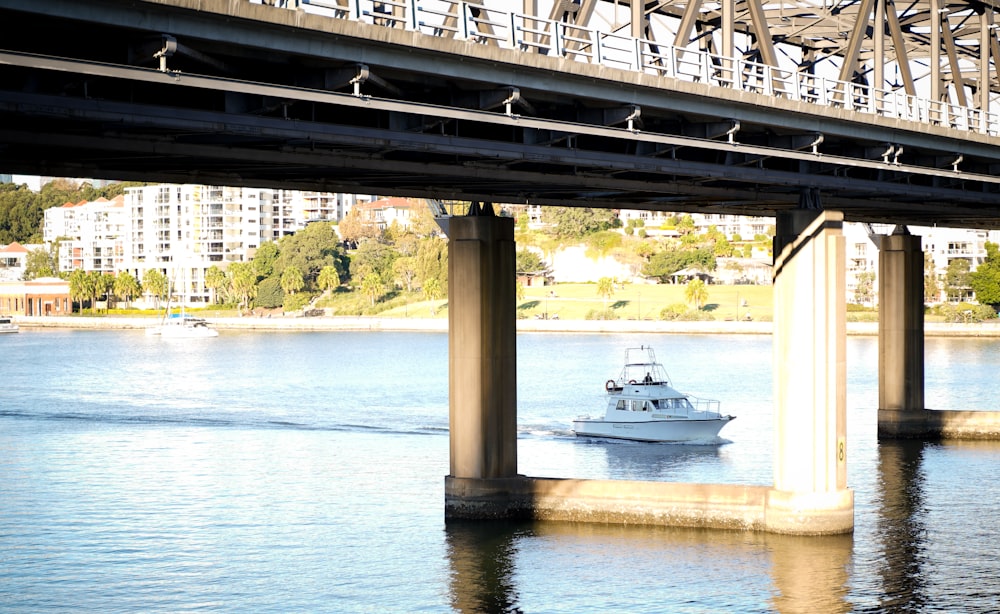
x,y
482,555
645,461
900,522
510,567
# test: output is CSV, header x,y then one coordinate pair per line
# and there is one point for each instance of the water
x,y
292,472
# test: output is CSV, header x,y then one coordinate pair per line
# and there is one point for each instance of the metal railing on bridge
x,y
481,24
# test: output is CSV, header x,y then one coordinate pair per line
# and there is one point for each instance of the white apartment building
x,y
183,230
287,211
90,234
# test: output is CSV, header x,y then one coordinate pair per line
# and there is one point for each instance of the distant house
x,y
13,259
45,296
383,212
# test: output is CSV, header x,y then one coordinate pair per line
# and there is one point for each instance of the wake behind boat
x,y
644,406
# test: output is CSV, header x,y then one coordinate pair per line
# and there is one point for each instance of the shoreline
x,y
359,323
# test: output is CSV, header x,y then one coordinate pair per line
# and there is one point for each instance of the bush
x,y
269,294
682,313
295,302
601,314
965,312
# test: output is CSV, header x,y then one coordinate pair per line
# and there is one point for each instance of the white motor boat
x,y
8,325
644,406
182,326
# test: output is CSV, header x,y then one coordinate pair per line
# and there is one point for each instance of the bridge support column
x,y
481,358
901,336
810,494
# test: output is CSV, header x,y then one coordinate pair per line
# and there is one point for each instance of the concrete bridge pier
x,y
482,361
901,411
810,494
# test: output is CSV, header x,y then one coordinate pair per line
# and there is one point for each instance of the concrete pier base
x,y
711,506
938,424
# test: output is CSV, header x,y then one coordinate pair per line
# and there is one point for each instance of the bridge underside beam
x,y
257,96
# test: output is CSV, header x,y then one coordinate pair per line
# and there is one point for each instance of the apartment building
x,y
90,234
183,230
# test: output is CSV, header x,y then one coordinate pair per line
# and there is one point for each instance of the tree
x,y
432,263
956,279
79,286
354,229
696,292
527,261
864,292
422,222
269,293
243,283
664,264
126,287
372,286
932,289
309,250
605,289
155,283
577,222
106,287
985,281
328,278
405,271
291,280
39,263
217,282
685,225
373,258
432,290
264,259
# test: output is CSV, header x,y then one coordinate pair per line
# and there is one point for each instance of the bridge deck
x,y
236,93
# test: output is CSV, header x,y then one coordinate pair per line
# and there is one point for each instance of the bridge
x,y
814,113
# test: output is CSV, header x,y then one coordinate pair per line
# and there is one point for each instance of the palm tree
x,y
126,287
291,280
696,292
216,281
244,283
372,286
606,289
155,282
328,278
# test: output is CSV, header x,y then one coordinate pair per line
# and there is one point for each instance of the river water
x,y
295,472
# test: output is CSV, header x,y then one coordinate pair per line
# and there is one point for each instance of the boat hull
x,y
652,430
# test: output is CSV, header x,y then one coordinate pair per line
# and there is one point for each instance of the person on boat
x,y
648,379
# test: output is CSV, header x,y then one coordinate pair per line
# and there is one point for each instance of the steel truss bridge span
x,y
235,93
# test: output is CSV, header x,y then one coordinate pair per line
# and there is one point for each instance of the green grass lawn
x,y
633,302
645,301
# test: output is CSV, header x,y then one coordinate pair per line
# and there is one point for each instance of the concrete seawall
x,y
336,323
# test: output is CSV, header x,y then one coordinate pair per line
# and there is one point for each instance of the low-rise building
x,y
45,296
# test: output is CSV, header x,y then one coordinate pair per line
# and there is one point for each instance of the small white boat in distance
x,y
182,326
644,406
7,325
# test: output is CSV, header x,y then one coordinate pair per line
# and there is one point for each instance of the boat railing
x,y
704,405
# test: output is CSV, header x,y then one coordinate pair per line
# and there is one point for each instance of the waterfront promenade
x,y
335,323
